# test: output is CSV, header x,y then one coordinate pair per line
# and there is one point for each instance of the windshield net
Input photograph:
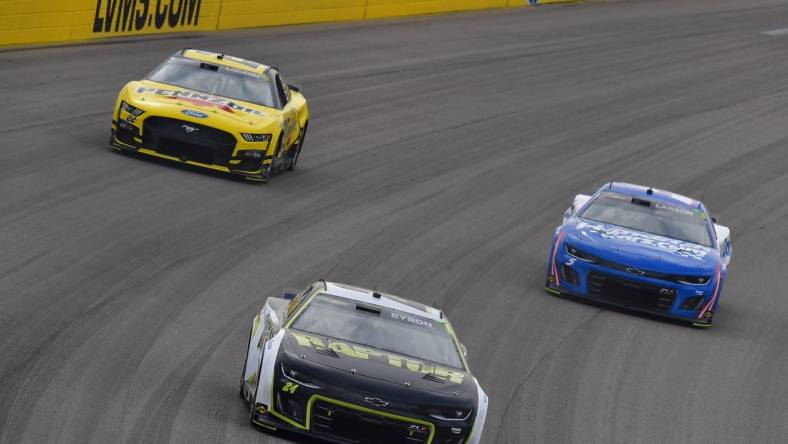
x,y
218,80
380,328
650,216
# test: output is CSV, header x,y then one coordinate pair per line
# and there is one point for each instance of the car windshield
x,y
650,216
380,328
219,80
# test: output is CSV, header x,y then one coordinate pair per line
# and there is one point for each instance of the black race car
x,y
351,365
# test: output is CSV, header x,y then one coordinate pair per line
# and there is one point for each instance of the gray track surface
x,y
442,153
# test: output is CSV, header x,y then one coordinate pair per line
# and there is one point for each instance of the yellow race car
x,y
213,111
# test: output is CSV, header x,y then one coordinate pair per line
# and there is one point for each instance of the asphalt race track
x,y
442,152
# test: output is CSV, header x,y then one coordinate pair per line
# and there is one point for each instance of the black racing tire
x,y
243,369
298,148
294,159
253,396
700,326
250,403
256,180
251,410
707,321
274,170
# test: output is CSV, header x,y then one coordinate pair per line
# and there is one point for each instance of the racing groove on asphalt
x,y
442,153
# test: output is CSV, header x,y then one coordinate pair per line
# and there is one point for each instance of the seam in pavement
x,y
538,365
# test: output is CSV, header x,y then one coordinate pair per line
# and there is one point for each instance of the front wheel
x,y
699,325
274,168
705,324
297,149
251,409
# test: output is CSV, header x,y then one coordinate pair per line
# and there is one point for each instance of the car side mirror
x,y
580,200
714,219
290,293
295,87
275,326
463,349
568,213
271,326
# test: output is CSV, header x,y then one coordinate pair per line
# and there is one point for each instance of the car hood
x,y
356,359
641,249
147,94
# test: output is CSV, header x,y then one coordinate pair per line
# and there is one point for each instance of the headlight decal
x,y
297,377
579,254
132,110
256,138
452,414
693,280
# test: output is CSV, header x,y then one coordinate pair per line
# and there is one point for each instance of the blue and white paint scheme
x,y
644,249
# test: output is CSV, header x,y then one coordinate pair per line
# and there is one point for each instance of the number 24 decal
x,y
290,387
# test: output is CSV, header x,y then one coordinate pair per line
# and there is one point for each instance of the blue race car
x,y
643,249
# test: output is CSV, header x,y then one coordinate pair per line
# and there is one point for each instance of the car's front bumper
x,y
585,280
337,415
131,140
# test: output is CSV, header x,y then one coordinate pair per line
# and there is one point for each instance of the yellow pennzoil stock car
x,y
213,111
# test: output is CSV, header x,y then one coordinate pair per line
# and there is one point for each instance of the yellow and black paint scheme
x,y
206,130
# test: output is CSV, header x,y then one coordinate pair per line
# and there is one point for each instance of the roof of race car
x,y
385,300
217,58
641,192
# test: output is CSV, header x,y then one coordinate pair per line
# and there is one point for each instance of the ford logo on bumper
x,y
197,114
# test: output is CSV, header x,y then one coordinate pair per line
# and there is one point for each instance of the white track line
x,y
776,32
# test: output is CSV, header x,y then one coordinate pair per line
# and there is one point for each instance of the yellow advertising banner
x,y
393,8
48,21
127,17
253,13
